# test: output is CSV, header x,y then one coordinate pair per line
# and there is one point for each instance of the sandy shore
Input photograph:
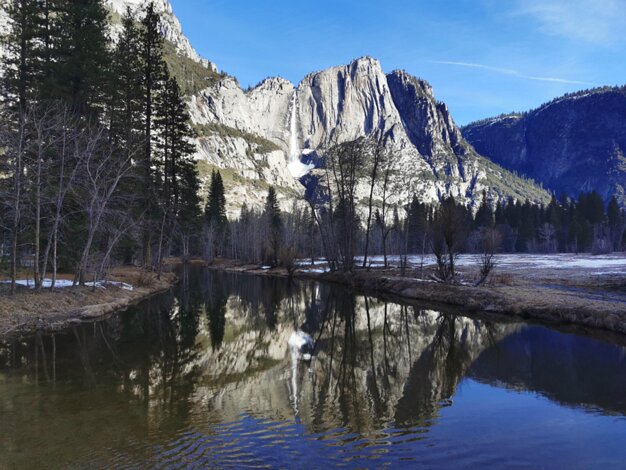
x,y
28,312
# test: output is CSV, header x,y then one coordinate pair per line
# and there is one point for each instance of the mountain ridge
x,y
573,143
345,102
249,133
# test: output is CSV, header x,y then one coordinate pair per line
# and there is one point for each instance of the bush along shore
x,y
29,311
546,297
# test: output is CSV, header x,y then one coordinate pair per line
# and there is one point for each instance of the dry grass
x,y
28,311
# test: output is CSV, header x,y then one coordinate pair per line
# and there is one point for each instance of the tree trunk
x,y
37,240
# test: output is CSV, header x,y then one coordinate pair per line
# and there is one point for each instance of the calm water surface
x,y
204,377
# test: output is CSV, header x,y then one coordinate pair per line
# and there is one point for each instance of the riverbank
x,y
562,295
28,311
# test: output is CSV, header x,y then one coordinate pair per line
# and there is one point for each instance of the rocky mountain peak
x,y
428,123
271,84
365,64
345,102
256,134
407,80
342,103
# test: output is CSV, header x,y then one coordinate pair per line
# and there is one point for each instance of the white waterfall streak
x,y
296,167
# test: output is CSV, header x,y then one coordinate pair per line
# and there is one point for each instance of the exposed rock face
x,y
171,29
428,123
249,133
572,144
264,110
237,119
343,103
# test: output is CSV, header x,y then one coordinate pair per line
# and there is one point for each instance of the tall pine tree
x,y
126,94
84,57
174,158
152,75
274,222
215,211
21,63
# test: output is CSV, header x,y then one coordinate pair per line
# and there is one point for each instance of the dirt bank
x,y
28,311
549,299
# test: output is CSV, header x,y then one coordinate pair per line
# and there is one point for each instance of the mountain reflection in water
x,y
205,375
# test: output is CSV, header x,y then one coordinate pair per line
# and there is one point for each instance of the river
x,y
204,376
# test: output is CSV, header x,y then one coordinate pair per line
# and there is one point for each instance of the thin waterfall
x,y
296,167
293,128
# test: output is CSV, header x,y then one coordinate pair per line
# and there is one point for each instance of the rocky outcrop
x,y
234,123
343,103
170,25
572,144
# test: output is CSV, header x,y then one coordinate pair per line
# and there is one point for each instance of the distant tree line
x,y
269,236
575,94
584,224
346,229
95,144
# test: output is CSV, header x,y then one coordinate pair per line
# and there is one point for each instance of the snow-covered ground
x,y
63,283
614,264
595,265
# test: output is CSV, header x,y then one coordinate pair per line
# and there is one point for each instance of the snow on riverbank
x,y
63,283
614,264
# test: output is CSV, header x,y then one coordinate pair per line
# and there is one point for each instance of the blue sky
x,y
483,57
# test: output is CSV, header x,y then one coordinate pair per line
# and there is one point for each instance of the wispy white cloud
x,y
511,72
601,22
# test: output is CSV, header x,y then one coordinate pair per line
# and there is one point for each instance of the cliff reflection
x,y
217,348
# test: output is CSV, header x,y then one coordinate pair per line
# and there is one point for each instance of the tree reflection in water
x,y
216,348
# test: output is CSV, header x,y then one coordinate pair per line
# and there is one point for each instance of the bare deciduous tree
x,y
102,170
491,240
345,162
377,156
448,233
13,142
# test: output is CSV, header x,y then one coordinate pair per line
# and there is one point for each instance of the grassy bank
x,y
28,311
562,299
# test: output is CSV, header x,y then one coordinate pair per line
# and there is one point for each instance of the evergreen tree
x,y
174,163
172,130
591,207
484,216
215,210
613,213
84,57
274,222
527,228
152,77
188,214
417,225
616,223
126,102
153,74
50,33
215,214
22,60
